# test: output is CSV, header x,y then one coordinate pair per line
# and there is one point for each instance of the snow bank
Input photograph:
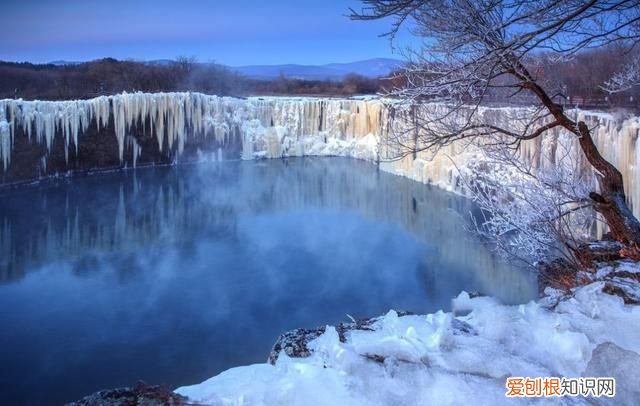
x,y
451,358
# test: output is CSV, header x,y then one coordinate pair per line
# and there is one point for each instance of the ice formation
x,y
286,126
452,358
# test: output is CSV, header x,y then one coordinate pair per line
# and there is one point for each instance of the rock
x,y
294,343
462,328
628,289
139,395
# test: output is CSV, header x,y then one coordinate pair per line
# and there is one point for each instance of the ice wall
x,y
274,127
268,127
616,135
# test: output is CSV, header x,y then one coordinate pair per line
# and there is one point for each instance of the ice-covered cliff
x,y
271,127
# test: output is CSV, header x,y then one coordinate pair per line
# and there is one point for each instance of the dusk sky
x,y
237,32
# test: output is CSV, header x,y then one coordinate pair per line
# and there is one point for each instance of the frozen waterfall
x,y
286,126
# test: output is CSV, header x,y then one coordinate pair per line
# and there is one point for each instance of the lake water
x,y
170,275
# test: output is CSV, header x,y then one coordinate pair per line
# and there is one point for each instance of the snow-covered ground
x,y
459,357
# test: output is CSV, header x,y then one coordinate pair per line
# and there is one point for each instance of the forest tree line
x,y
109,76
577,81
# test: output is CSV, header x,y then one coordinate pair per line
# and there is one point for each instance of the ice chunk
x,y
609,360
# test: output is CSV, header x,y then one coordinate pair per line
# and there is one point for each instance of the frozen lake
x,y
171,275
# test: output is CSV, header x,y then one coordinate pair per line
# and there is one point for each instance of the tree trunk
x,y
611,201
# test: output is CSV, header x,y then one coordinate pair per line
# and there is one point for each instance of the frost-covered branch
x,y
532,213
625,79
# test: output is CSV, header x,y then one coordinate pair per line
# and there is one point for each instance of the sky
x,y
232,32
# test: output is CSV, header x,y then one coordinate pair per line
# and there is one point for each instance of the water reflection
x,y
172,274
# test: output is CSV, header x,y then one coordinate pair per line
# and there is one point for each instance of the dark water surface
x,y
170,275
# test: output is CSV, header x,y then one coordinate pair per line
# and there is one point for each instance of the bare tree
x,y
626,78
471,48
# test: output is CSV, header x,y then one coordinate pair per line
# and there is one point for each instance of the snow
x,y
450,358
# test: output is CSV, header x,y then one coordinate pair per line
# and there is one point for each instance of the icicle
x,y
6,143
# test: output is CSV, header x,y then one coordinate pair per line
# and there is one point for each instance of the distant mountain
x,y
370,68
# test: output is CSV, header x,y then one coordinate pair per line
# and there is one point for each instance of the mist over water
x,y
171,275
